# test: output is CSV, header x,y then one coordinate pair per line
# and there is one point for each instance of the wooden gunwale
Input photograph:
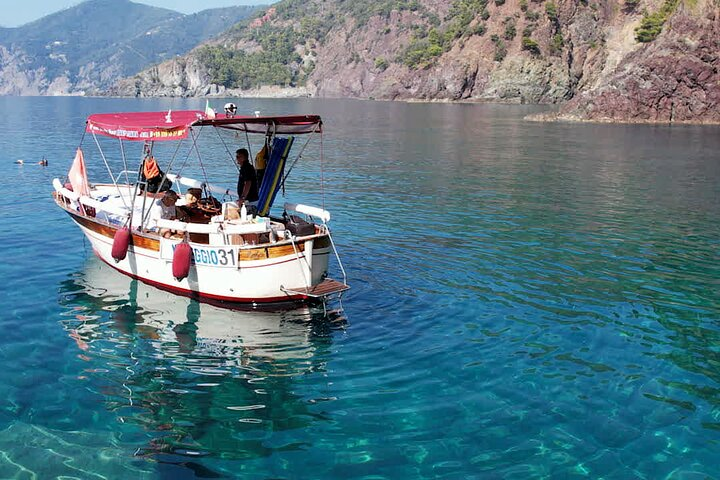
x,y
152,242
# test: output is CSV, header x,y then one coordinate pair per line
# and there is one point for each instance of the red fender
x,y
121,242
182,257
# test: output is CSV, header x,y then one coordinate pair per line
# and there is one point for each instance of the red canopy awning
x,y
140,126
174,125
286,124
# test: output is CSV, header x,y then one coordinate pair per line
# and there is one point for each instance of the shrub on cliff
x,y
556,44
363,10
532,16
652,23
530,45
500,48
551,10
510,30
631,5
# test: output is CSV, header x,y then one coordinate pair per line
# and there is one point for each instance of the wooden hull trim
x,y
255,253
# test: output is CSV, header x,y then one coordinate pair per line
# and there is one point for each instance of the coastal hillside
x,y
90,46
617,60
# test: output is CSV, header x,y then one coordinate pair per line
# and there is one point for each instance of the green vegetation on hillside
x,y
276,64
510,30
556,44
530,45
652,23
294,23
363,10
381,64
500,48
551,10
427,45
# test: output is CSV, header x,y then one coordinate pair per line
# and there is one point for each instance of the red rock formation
x,y
676,78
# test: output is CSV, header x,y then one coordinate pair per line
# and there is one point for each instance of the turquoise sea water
x,y
528,301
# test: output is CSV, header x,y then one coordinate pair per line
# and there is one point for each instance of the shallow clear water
x,y
528,301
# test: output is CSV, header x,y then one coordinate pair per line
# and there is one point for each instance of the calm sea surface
x,y
528,301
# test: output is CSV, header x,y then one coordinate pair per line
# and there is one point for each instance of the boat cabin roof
x,y
175,124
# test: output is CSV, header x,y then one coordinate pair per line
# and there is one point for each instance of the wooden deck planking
x,y
322,289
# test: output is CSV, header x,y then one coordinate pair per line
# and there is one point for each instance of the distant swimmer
x,y
43,162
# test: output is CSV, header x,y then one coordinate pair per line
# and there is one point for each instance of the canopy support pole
x,y
299,156
322,173
146,215
102,154
124,159
247,142
202,167
222,140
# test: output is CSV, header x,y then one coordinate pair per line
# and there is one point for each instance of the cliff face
x,y
15,76
676,78
492,66
580,53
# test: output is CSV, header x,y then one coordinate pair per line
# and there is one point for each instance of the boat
x,y
220,250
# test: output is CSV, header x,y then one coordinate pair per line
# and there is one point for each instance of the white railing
x,y
319,213
89,201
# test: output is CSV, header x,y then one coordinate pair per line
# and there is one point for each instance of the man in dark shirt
x,y
247,180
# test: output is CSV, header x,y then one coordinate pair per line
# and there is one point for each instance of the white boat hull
x,y
249,281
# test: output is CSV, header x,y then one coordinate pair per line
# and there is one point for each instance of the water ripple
x,y
528,300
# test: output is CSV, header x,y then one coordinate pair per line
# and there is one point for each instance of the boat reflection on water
x,y
198,380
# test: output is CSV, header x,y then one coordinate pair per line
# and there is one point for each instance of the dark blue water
x,y
528,300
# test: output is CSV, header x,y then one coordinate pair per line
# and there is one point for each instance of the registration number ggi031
x,y
213,256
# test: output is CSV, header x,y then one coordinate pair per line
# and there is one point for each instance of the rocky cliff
x,y
637,60
675,78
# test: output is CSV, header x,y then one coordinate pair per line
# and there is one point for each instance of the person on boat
x,y
230,110
192,209
260,163
192,197
153,176
247,180
164,208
